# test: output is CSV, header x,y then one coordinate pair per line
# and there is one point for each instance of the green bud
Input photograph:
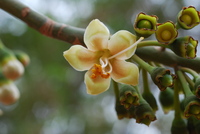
x,y
144,113
11,67
193,125
166,33
166,80
148,96
6,55
191,106
185,47
128,96
145,25
121,111
188,18
22,57
179,126
131,112
162,78
166,99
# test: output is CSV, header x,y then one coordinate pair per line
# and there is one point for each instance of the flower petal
x,y
96,36
120,41
80,58
97,85
125,72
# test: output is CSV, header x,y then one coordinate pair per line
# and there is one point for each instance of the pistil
x,y
100,69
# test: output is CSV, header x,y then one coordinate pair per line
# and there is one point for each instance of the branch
x,y
167,58
42,24
74,35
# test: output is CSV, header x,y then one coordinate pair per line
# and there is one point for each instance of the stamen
x,y
128,48
99,71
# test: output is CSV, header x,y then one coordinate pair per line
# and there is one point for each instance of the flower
x,y
166,32
185,47
128,96
191,107
145,25
104,57
188,18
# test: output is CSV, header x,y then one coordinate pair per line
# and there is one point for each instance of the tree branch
x,y
74,35
43,24
167,58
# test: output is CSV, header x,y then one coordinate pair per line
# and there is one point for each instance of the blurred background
x,y
53,96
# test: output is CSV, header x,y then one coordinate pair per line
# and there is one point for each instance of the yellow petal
x,y
97,85
80,58
120,41
125,72
96,36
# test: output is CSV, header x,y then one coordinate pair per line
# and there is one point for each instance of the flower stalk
x,y
184,84
143,64
147,95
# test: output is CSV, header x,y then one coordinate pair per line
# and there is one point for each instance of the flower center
x,y
105,68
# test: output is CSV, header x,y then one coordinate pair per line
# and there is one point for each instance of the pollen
x,y
98,71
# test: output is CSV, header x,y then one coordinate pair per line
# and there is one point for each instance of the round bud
x,y
13,69
9,93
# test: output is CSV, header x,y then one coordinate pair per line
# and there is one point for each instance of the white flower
x,y
104,57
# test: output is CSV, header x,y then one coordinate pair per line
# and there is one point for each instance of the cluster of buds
x,y
166,33
12,65
144,106
132,105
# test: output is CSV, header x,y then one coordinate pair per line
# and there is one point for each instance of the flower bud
x,y
162,78
188,18
121,111
191,107
128,96
22,57
179,126
11,67
166,99
148,96
9,93
197,87
144,113
145,25
131,112
185,47
193,125
166,32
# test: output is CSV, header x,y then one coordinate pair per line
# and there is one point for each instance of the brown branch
x,y
43,24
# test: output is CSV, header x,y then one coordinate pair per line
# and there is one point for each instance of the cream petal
x,y
97,85
125,72
80,58
96,36
120,41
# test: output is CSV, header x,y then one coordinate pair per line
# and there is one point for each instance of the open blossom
x,y
104,57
